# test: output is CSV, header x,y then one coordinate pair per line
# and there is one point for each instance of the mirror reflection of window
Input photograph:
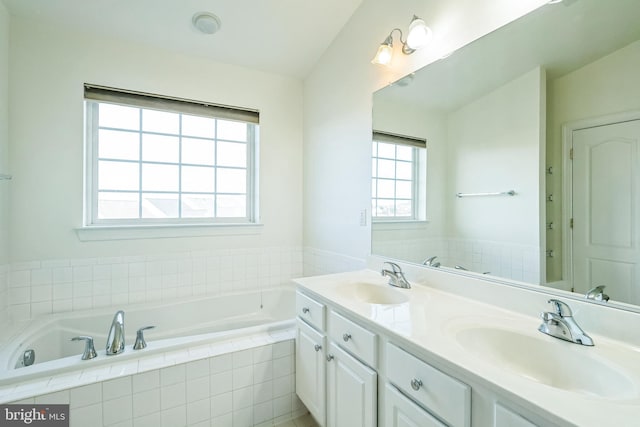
x,y
398,177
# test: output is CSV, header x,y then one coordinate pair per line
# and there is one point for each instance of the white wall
x,y
4,155
606,86
338,104
493,147
48,69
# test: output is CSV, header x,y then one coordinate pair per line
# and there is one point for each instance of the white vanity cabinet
x,y
442,395
331,379
311,370
505,417
351,391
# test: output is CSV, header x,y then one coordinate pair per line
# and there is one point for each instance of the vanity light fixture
x,y
418,35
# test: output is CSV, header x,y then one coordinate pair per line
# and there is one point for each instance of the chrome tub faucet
x,y
396,276
597,294
560,324
431,262
115,339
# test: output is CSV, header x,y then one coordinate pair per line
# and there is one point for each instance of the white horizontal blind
x,y
154,160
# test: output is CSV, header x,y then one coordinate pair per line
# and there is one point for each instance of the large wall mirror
x,y
530,171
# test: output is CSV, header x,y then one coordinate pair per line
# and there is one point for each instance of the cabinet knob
x,y
305,310
330,358
416,384
346,337
317,347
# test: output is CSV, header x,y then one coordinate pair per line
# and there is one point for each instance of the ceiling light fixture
x,y
418,36
206,23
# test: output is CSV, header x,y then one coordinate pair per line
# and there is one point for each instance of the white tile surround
x,y
510,261
186,387
54,286
244,382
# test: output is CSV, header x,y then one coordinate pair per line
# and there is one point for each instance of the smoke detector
x,y
206,23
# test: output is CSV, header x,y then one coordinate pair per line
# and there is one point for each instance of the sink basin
x,y
558,364
373,294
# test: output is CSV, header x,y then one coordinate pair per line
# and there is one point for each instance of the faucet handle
x,y
89,349
140,342
560,308
394,267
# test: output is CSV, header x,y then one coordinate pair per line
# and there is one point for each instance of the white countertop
x,y
431,319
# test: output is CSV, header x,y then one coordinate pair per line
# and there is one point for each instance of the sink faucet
x,y
115,339
560,324
431,262
396,276
597,294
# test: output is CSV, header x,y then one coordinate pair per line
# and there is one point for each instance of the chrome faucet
x,y
560,324
396,276
115,339
431,262
597,294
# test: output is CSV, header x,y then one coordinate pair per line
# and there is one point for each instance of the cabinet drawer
x,y
353,338
505,417
310,310
444,396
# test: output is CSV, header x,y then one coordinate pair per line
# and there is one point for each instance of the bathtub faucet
x,y
115,339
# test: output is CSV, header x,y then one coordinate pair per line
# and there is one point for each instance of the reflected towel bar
x,y
4,176
499,193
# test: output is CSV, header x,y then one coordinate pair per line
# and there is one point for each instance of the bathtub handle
x,y
89,349
140,342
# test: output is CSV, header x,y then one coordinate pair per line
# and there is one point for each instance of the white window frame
x,y
147,101
418,178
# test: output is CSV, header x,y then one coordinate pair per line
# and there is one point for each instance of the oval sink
x,y
373,294
562,365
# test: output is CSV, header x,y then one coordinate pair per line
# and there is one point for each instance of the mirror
x,y
500,117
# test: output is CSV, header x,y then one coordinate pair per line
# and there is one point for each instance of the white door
x,y
351,391
402,412
310,370
605,209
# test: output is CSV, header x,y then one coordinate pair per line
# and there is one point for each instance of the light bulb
x,y
384,54
419,34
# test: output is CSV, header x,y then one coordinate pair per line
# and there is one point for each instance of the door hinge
x,y
571,154
571,223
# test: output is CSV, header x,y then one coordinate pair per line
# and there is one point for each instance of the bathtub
x,y
187,324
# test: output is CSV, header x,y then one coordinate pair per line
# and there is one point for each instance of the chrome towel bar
x,y
498,193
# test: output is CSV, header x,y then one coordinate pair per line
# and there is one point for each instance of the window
x,y
154,160
398,182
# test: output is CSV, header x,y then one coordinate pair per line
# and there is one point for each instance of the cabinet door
x,y
351,391
402,412
505,417
310,370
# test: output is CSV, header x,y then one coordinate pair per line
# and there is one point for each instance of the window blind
x,y
166,103
393,138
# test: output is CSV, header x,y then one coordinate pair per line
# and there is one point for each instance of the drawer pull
x,y
416,384
305,310
346,337
317,347
330,358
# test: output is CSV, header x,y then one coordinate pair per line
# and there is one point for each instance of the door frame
x,y
567,179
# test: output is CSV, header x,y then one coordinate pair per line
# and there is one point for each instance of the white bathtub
x,y
179,325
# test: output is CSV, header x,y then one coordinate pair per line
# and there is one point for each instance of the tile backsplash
x,y
61,285
34,288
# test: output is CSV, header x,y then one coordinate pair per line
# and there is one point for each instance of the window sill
x,y
133,232
399,224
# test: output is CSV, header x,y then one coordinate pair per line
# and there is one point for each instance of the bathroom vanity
x,y
370,354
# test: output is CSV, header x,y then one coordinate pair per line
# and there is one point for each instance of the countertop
x,y
434,320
